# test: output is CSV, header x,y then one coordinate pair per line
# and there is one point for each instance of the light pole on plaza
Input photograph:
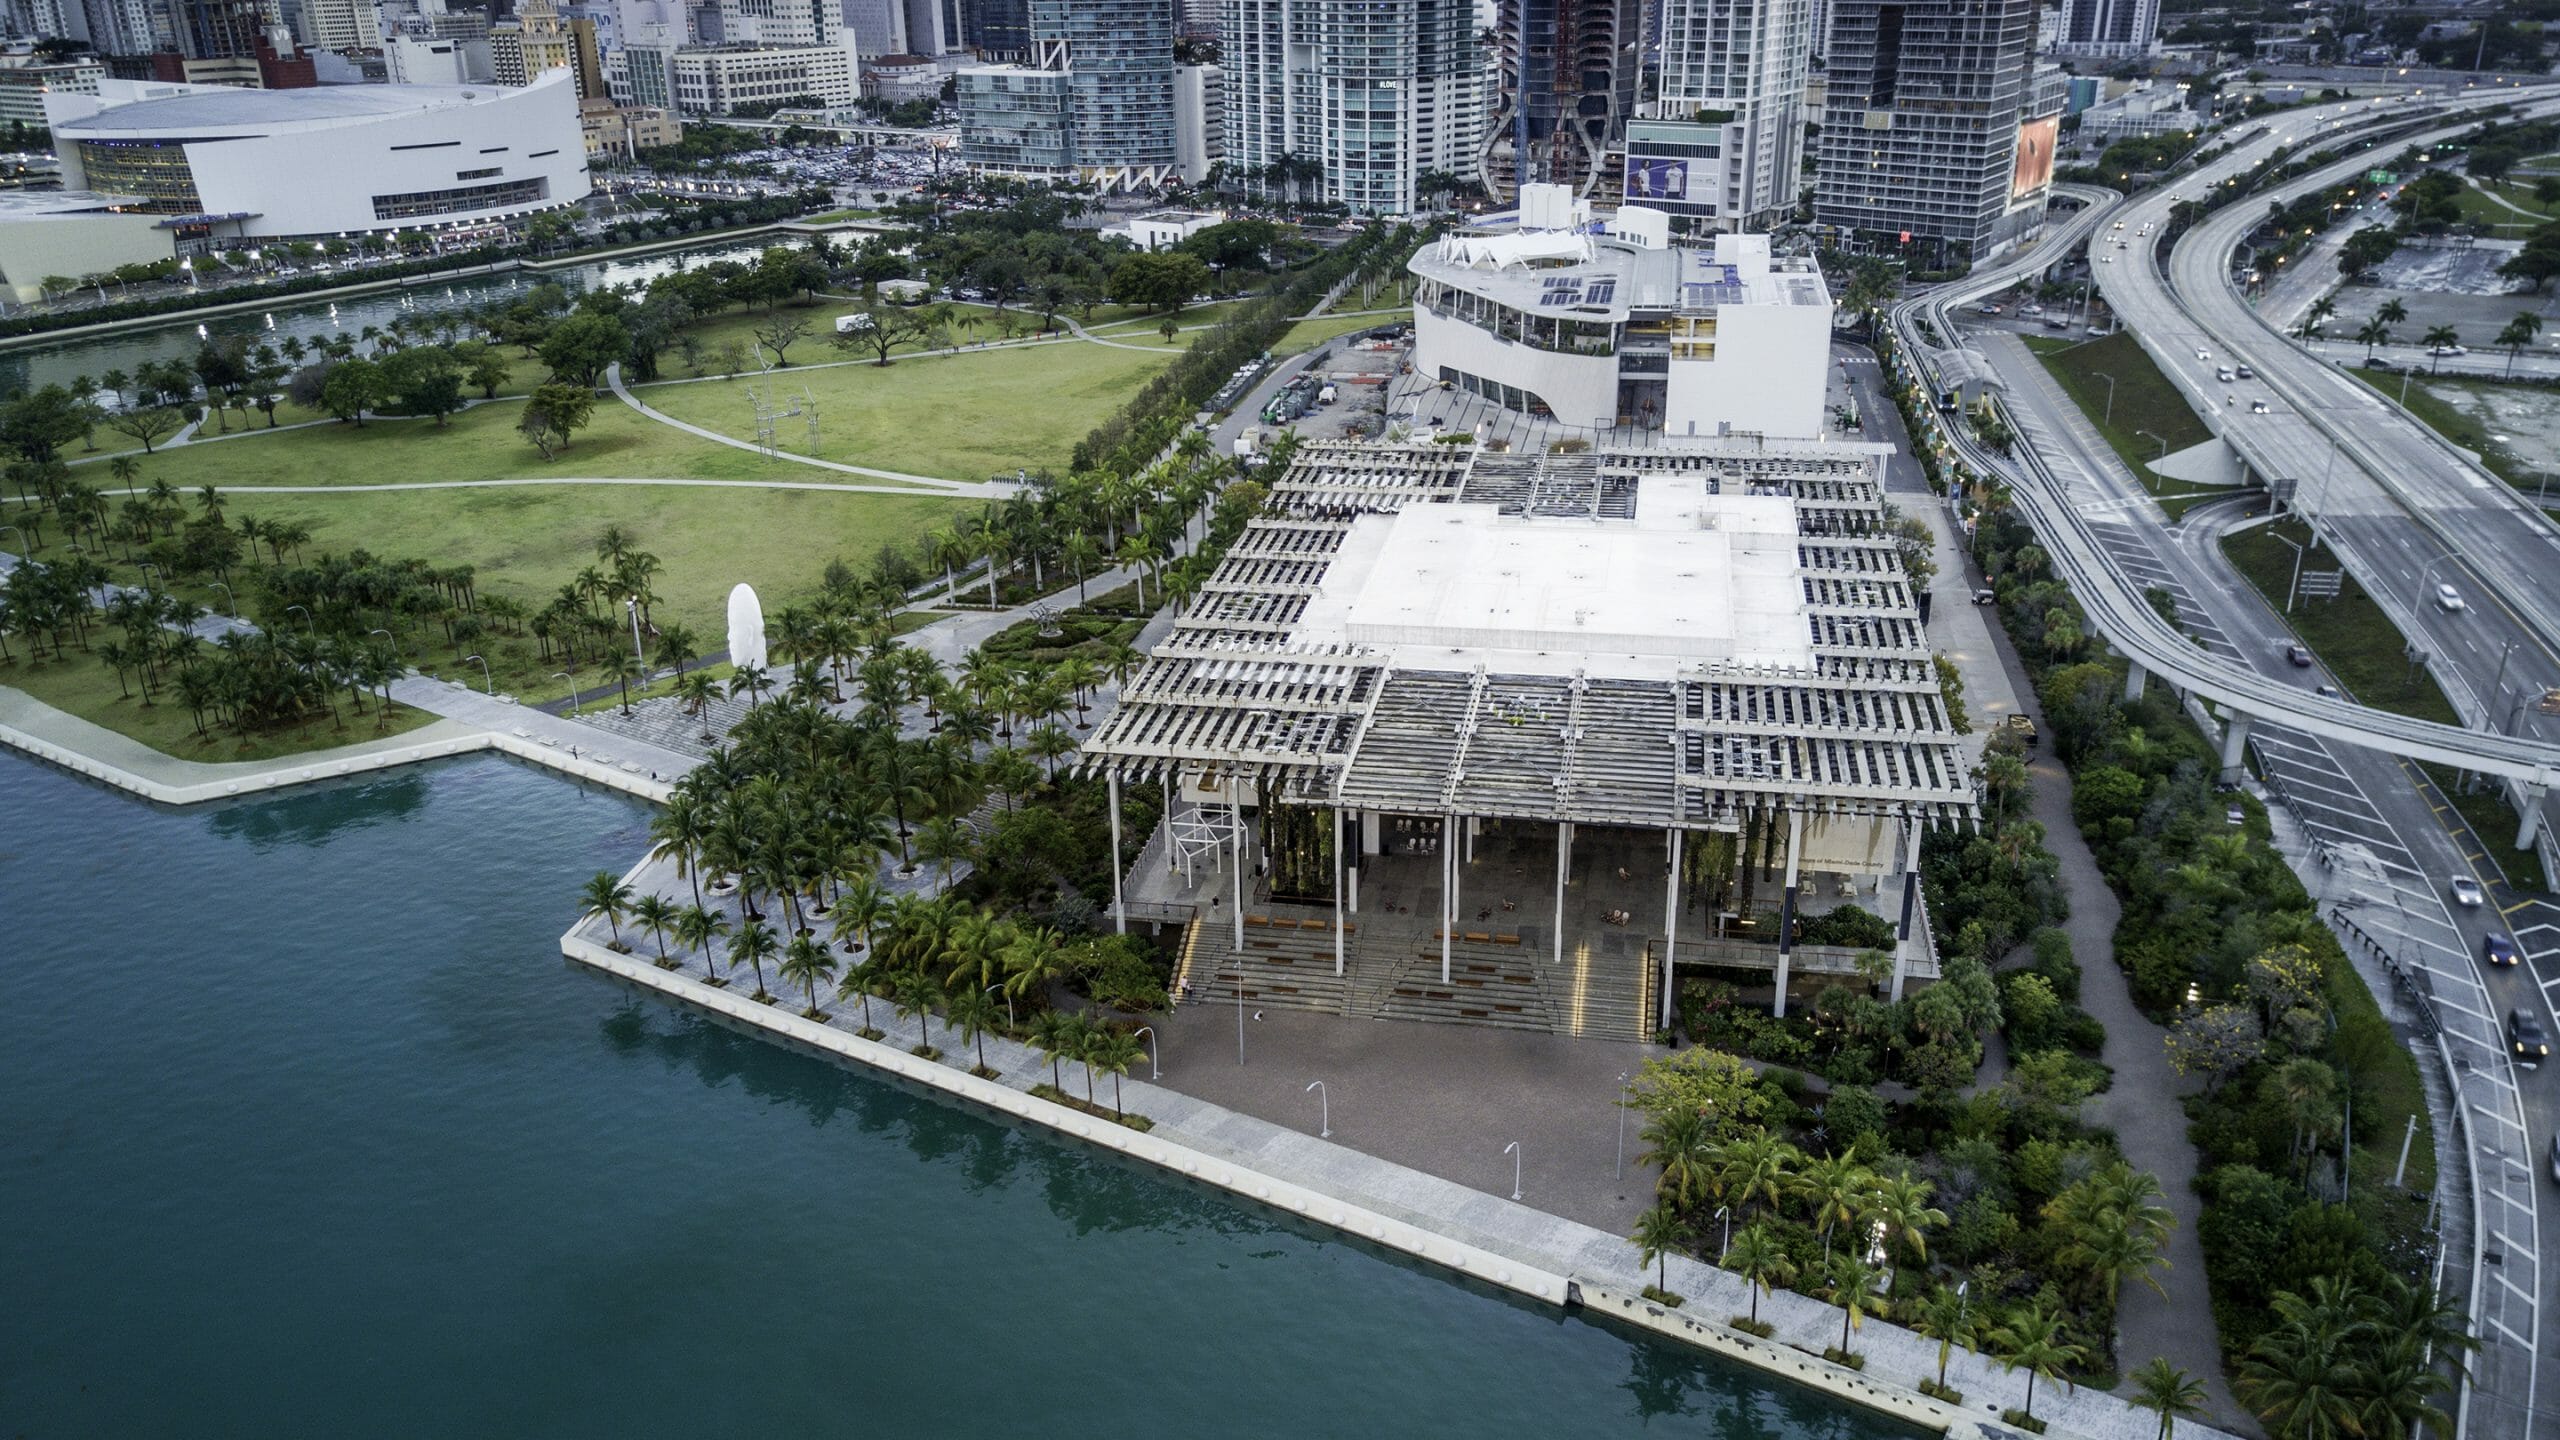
x,y
1622,1124
1513,1150
1324,1111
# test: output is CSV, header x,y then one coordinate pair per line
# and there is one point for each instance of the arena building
x,y
222,165
1611,325
1486,737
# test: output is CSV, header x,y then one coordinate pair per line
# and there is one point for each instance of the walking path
x,y
613,378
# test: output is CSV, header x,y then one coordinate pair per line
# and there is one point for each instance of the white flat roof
x,y
1694,578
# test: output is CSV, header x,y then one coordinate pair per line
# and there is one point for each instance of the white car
x,y
2448,597
2467,892
2204,354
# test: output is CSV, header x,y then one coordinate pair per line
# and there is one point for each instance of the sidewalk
x,y
1478,1218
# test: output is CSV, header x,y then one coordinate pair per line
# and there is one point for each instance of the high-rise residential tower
x,y
2109,29
1722,143
1920,130
1351,100
1095,103
1568,72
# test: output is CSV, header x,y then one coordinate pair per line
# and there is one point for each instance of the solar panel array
x,y
1561,290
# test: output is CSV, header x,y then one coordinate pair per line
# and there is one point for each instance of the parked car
x,y
1985,597
2379,362
2555,1157
2299,655
2022,728
2499,948
2257,407
2527,1038
2235,815
2467,892
2449,598
2446,351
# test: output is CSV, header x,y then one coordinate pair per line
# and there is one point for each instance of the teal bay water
x,y
309,1131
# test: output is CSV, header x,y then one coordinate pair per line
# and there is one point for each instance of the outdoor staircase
x,y
1287,965
1492,982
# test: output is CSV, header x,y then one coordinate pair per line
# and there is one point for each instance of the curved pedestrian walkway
x,y
622,392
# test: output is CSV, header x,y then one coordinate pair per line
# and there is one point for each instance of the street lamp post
x,y
1622,1124
1012,1023
229,598
488,682
2153,480
2295,584
2111,396
1155,1058
631,604
1324,1110
1725,1213
1239,1001
1513,1150
573,689
309,625
2418,594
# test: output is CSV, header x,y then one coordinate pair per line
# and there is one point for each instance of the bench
x,y
1257,920
1479,937
1511,939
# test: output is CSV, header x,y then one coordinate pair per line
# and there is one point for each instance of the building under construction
x,y
1569,75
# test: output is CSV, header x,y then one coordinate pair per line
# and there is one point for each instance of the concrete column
x,y
1670,929
1371,838
1787,910
1564,865
1355,890
1235,841
1448,891
1910,904
2235,747
2530,828
2134,675
1337,892
1119,904
1471,839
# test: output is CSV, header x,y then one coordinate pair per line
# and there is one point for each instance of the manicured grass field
x,y
2145,401
2350,635
527,542
2479,209
86,686
961,417
481,443
1308,334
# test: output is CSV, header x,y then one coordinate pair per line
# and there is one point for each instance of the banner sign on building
x,y
1657,179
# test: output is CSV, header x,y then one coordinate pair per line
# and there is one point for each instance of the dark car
x,y
2526,1036
2499,948
2299,655
2379,362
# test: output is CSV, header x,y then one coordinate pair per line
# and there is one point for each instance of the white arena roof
x,y
216,109
1695,577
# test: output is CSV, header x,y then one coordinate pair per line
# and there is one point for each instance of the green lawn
x,y
85,686
2144,400
2477,208
527,542
1123,322
481,443
962,417
2351,635
1308,334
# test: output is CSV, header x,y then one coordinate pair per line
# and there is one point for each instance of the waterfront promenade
x,y
1473,1229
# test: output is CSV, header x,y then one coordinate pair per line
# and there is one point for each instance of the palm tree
x,y
1761,1261
1055,1033
1677,1142
1852,1283
695,929
2112,1227
2440,337
678,833
808,961
1759,1166
859,976
2032,1341
1946,1318
753,944
1112,1052
2518,334
1901,1203
656,912
1659,1231
2169,1392
973,1013
2392,312
859,904
1836,1186
2372,333
916,994
2302,1377
608,896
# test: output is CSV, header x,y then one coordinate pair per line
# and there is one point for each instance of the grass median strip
x,y
2350,634
2138,413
